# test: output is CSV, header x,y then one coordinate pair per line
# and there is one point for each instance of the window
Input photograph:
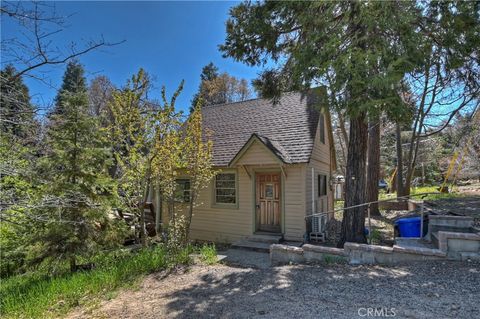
x,y
322,185
321,121
182,192
225,188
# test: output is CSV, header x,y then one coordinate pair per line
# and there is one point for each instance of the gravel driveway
x,y
427,290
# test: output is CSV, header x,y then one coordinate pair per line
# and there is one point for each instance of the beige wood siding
x,y
226,225
257,154
321,151
320,162
294,188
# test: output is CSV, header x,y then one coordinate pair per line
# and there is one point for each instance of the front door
x,y
268,204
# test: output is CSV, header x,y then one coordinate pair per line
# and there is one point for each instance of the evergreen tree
x,y
17,115
218,88
76,185
360,51
73,82
209,73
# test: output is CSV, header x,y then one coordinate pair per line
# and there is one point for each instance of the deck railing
x,y
406,197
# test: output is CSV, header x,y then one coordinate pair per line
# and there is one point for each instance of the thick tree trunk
x,y
373,169
353,223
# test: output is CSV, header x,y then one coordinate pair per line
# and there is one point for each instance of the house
x,y
274,165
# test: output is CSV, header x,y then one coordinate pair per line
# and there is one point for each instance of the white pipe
x,y
313,190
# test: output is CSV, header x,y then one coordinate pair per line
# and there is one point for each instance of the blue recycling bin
x,y
409,227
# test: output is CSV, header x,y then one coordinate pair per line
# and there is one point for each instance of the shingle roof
x,y
288,128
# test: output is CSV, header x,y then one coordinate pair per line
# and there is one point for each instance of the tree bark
x,y
373,168
353,223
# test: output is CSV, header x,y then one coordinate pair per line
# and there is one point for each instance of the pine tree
x,y
17,115
73,82
209,73
77,186
218,88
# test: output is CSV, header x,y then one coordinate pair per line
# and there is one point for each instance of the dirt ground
x,y
427,290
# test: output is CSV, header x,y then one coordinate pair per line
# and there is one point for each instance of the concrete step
x,y
469,256
435,239
266,238
252,245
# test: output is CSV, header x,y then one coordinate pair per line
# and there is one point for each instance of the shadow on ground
x,y
330,291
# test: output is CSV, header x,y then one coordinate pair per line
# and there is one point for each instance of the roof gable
x,y
287,128
272,147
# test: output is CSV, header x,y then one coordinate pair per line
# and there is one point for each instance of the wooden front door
x,y
268,204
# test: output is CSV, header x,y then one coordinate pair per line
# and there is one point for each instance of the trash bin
x,y
409,227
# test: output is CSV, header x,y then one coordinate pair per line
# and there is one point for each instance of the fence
x,y
406,197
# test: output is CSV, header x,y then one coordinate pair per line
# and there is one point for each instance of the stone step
x,y
469,256
266,238
252,245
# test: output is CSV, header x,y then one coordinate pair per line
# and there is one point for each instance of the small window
x,y
321,121
182,192
225,188
322,185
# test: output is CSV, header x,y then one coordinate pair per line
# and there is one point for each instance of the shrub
x,y
208,254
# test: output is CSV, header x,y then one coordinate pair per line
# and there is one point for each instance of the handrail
x,y
369,203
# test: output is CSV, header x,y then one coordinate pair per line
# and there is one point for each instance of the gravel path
x,y
427,290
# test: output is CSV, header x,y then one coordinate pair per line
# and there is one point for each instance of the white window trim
x,y
214,191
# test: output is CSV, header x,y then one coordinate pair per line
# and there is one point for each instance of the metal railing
x,y
406,197
369,203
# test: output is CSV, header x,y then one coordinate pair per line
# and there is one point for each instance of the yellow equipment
x,y
449,171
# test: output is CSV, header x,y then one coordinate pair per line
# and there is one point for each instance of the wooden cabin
x,y
274,165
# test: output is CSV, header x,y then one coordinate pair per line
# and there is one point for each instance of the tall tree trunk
x,y
399,179
353,223
373,170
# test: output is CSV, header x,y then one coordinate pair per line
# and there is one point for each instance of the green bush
x,y
35,295
208,254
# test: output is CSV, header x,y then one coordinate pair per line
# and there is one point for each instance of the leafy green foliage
x,y
36,295
76,185
146,145
197,158
359,50
16,112
208,254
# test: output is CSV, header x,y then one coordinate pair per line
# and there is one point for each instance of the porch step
x,y
252,245
258,242
266,238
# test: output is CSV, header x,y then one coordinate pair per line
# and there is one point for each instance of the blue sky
x,y
171,40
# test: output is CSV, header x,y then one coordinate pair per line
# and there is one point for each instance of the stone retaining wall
x,y
284,254
460,244
353,253
449,223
